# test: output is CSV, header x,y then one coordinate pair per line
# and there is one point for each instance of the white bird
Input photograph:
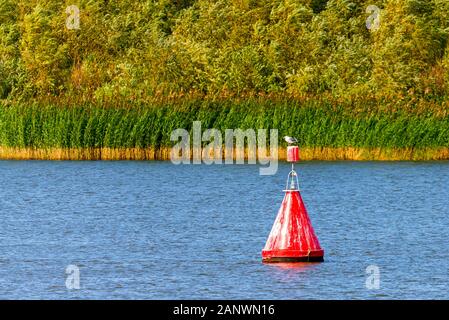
x,y
290,140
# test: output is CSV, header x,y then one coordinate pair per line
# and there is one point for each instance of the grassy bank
x,y
325,131
163,153
349,82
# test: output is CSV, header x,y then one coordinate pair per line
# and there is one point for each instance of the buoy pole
x,y
292,238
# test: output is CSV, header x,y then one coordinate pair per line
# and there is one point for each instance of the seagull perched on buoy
x,y
290,140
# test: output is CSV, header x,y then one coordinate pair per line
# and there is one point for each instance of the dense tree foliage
x,y
144,50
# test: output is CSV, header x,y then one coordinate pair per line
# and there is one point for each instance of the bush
x,y
151,50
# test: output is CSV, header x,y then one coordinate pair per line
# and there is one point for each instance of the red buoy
x,y
292,237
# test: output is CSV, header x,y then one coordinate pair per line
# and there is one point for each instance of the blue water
x,y
153,230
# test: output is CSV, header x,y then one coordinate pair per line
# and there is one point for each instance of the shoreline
x,y
163,153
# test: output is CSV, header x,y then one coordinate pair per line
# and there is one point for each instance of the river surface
x,y
154,230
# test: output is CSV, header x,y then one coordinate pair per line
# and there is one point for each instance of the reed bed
x,y
325,131
163,153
